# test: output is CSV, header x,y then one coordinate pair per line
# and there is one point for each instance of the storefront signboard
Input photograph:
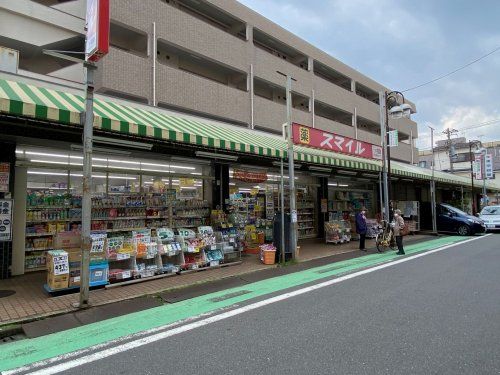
x,y
4,177
478,167
307,136
6,210
488,166
393,138
324,205
269,205
97,25
249,176
186,182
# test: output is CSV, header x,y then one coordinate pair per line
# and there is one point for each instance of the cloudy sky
x,y
404,43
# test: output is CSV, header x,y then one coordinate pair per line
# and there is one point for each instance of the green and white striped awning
x,y
35,101
18,98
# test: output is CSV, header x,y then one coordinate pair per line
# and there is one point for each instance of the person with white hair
x,y
399,224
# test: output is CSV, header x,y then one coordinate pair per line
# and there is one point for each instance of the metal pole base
x,y
81,306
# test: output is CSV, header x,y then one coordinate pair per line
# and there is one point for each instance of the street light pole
x,y
383,141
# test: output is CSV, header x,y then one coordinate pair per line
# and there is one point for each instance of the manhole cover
x,y
6,293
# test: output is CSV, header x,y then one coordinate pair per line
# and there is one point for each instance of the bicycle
x,y
385,237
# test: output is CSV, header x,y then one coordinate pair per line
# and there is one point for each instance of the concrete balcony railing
x,y
126,73
182,29
333,126
403,152
333,95
301,117
269,114
405,126
266,66
366,108
189,91
365,136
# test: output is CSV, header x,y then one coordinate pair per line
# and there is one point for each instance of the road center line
x,y
212,319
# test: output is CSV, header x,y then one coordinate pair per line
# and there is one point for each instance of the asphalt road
x,y
437,314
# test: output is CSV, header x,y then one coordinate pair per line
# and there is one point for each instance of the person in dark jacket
x,y
361,228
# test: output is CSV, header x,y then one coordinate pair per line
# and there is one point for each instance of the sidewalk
x,y
30,301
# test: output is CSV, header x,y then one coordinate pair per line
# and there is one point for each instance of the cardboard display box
x,y
68,240
56,282
58,269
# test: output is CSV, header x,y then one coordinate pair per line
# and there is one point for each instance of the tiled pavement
x,y
30,301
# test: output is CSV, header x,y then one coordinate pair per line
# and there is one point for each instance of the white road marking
x,y
201,323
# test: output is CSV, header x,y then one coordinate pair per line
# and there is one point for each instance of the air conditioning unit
x,y
9,60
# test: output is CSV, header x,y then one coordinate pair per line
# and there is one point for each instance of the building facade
x,y
215,59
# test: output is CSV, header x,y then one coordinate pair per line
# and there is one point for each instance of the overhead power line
x,y
453,72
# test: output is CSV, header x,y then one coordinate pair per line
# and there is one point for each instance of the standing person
x,y
399,224
361,228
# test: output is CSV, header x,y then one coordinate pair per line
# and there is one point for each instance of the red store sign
x,y
307,136
97,25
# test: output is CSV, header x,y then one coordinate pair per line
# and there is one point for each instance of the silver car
x,y
491,217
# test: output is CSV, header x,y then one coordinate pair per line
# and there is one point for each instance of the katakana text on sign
x,y
305,135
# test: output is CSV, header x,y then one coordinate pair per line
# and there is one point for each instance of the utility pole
x,y
433,187
448,132
291,166
86,186
484,177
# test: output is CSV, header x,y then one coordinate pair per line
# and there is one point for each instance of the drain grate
x,y
230,295
7,293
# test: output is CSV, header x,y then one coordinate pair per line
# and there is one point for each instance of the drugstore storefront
x,y
154,170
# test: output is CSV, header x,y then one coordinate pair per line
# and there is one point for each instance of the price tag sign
x,y
126,275
194,267
98,273
213,247
61,266
214,263
206,230
186,233
98,240
231,240
165,234
122,256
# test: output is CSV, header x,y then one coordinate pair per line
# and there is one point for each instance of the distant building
x,y
461,161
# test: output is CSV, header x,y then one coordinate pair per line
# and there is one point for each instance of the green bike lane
x,y
29,351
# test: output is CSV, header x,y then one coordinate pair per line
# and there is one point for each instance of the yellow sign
x,y
304,135
186,182
254,191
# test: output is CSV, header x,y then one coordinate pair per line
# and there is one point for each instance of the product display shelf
x,y
337,231
170,250
35,269
28,250
40,234
306,214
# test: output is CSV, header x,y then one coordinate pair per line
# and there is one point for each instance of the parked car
x,y
451,219
491,217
